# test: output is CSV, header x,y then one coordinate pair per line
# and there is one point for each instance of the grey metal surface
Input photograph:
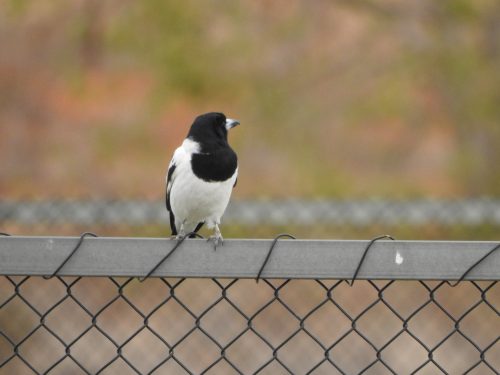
x,y
241,258
258,212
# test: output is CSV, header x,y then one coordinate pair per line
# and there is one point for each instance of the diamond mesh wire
x,y
107,325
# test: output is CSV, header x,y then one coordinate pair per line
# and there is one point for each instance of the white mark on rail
x,y
399,258
49,245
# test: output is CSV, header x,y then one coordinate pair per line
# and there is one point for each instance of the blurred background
x,y
359,118
357,103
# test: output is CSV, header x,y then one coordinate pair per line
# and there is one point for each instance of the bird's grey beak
x,y
230,123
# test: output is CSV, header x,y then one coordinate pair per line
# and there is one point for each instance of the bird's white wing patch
x,y
181,158
176,160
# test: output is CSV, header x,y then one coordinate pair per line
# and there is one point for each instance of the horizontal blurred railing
x,y
258,212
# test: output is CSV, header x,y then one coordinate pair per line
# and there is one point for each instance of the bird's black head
x,y
211,129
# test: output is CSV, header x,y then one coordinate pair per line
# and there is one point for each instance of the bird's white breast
x,y
194,200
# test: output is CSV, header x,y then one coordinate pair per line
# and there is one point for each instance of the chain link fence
x,y
89,325
472,219
118,325
404,317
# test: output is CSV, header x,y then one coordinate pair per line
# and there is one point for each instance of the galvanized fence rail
x,y
202,312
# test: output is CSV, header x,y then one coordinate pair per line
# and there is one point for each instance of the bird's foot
x,y
181,234
216,239
181,237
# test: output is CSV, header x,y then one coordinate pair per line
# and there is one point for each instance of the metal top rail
x,y
242,258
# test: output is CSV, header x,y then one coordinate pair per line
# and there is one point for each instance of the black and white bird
x,y
201,176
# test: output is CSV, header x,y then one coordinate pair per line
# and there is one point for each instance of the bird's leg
x,y
180,234
216,237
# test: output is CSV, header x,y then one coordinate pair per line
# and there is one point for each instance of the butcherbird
x,y
201,176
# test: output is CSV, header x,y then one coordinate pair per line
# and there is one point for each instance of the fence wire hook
x,y
80,241
179,243
370,244
275,241
473,266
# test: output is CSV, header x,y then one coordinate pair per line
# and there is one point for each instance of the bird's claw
x,y
217,239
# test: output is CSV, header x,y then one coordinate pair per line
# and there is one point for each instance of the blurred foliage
x,y
337,98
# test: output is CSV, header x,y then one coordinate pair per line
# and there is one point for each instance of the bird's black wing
x,y
170,173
